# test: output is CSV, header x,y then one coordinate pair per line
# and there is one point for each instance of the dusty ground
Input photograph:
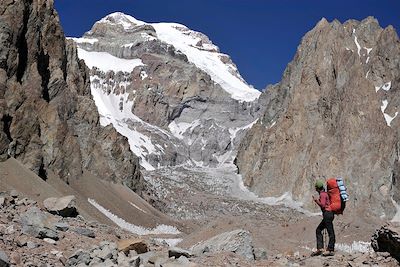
x,y
201,203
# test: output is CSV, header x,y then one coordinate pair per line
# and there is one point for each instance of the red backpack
x,y
336,203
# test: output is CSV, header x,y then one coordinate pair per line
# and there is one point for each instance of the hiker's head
x,y
319,185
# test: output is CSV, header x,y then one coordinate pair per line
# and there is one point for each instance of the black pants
x,y
326,223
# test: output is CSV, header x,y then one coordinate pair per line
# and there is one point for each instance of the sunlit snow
x,y
208,61
139,230
84,40
116,109
387,86
358,45
203,55
106,62
388,118
178,129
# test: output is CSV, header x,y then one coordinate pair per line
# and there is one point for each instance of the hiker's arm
x,y
318,201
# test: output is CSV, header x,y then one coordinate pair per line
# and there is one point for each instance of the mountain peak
x,y
122,19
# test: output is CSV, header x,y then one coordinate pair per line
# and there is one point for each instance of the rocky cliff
x,y
49,121
176,97
333,114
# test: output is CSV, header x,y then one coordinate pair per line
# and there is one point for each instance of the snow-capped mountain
x,y
168,89
196,46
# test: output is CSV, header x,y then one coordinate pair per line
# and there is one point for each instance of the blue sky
x,y
261,36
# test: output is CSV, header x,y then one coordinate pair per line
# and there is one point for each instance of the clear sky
x,y
261,36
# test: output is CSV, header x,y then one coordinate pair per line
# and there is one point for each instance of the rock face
x,y
387,239
48,120
333,114
169,95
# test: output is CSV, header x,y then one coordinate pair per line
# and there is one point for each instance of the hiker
x,y
326,223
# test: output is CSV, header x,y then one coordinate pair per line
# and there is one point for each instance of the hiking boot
x,y
317,252
328,253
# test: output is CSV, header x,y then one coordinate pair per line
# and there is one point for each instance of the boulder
x,y
238,241
136,244
177,252
63,206
38,224
387,239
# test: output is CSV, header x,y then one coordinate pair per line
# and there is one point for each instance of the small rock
x,y
79,257
85,232
135,261
137,244
58,254
62,226
31,245
21,241
132,253
49,240
144,257
105,253
10,230
2,201
183,260
14,193
4,261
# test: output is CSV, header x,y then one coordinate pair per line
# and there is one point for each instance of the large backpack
x,y
338,195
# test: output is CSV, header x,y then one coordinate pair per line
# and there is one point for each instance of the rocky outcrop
x,y
48,120
387,239
333,114
185,112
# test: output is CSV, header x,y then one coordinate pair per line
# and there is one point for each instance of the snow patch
x,y
358,45
377,88
207,60
388,118
139,230
387,86
106,62
178,129
132,204
143,75
83,40
116,110
368,50
119,18
233,132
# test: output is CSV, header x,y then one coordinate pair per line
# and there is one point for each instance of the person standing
x,y
326,223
